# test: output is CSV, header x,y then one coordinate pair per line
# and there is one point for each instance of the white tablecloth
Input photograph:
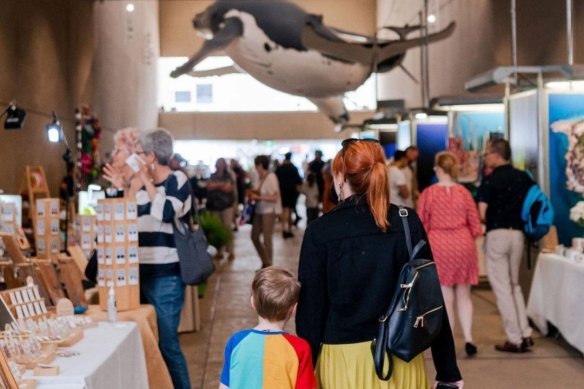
x,y
111,356
557,294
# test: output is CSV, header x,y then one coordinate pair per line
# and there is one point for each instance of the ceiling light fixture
x,y
54,130
14,117
130,7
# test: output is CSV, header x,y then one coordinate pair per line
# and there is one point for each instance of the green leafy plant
x,y
217,233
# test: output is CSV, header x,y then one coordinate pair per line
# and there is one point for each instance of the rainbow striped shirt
x,y
267,360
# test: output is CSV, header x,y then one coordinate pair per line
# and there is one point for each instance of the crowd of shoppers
x,y
350,257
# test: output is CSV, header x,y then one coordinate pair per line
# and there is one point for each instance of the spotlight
x,y
54,130
130,7
431,18
14,117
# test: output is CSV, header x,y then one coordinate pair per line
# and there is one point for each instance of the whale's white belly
x,y
304,73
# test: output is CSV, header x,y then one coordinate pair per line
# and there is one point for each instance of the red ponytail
x,y
362,163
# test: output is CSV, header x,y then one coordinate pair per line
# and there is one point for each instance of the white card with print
x,y
31,295
100,256
100,277
131,211
100,234
55,227
120,233
119,211
108,256
86,242
55,246
121,277
120,255
37,295
25,297
54,207
133,276
107,233
107,212
18,295
132,232
40,227
132,254
40,210
37,308
99,211
12,298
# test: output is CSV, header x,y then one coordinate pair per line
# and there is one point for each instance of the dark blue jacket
x,y
348,271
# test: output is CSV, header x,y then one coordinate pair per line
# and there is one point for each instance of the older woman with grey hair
x,y
163,198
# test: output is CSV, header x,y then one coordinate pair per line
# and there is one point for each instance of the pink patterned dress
x,y
451,220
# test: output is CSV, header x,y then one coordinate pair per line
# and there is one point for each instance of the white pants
x,y
503,254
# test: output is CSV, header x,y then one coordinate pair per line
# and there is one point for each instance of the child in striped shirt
x,y
266,357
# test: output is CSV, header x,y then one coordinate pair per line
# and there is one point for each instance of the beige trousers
x,y
263,224
503,254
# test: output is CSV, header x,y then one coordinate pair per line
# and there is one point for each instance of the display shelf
x,y
25,302
117,252
47,228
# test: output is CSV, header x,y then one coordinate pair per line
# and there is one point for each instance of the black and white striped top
x,y
155,218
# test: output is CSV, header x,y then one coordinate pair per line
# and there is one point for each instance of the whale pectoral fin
x,y
333,107
393,48
351,52
232,28
231,69
366,53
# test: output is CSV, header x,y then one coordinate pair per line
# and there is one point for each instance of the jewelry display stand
x,y
47,228
25,302
86,233
117,252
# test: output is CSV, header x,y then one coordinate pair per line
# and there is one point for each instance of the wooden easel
x,y
34,183
71,277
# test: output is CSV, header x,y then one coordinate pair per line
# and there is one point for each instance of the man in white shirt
x,y
399,190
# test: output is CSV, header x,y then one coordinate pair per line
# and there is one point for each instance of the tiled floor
x,y
226,309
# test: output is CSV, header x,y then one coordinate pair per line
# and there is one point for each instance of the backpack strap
x,y
403,213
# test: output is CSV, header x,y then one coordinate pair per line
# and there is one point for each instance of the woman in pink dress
x,y
450,217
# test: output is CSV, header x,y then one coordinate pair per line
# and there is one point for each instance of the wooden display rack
x,y
117,252
47,228
25,302
86,233
71,277
34,183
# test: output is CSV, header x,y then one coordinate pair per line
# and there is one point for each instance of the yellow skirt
x,y
350,366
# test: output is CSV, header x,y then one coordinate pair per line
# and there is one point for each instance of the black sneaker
x,y
527,342
470,349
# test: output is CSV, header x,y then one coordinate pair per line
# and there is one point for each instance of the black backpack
x,y
415,316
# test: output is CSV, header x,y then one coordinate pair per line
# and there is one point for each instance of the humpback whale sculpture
x,y
282,46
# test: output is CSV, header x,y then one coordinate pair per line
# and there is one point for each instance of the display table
x,y
556,297
110,356
145,317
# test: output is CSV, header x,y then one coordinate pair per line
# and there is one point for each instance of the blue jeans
x,y
167,295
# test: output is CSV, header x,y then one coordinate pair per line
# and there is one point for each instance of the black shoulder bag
x,y
196,264
414,317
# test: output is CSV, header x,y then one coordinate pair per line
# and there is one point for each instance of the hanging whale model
x,y
292,51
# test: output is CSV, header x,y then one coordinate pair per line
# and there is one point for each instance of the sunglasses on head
x,y
345,143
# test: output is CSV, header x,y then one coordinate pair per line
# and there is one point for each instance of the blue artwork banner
x,y
431,138
566,163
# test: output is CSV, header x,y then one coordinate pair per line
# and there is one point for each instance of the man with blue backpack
x,y
501,201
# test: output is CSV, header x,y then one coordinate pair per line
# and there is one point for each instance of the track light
x,y
14,117
54,130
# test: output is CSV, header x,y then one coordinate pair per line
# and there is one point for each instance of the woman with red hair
x,y
349,265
